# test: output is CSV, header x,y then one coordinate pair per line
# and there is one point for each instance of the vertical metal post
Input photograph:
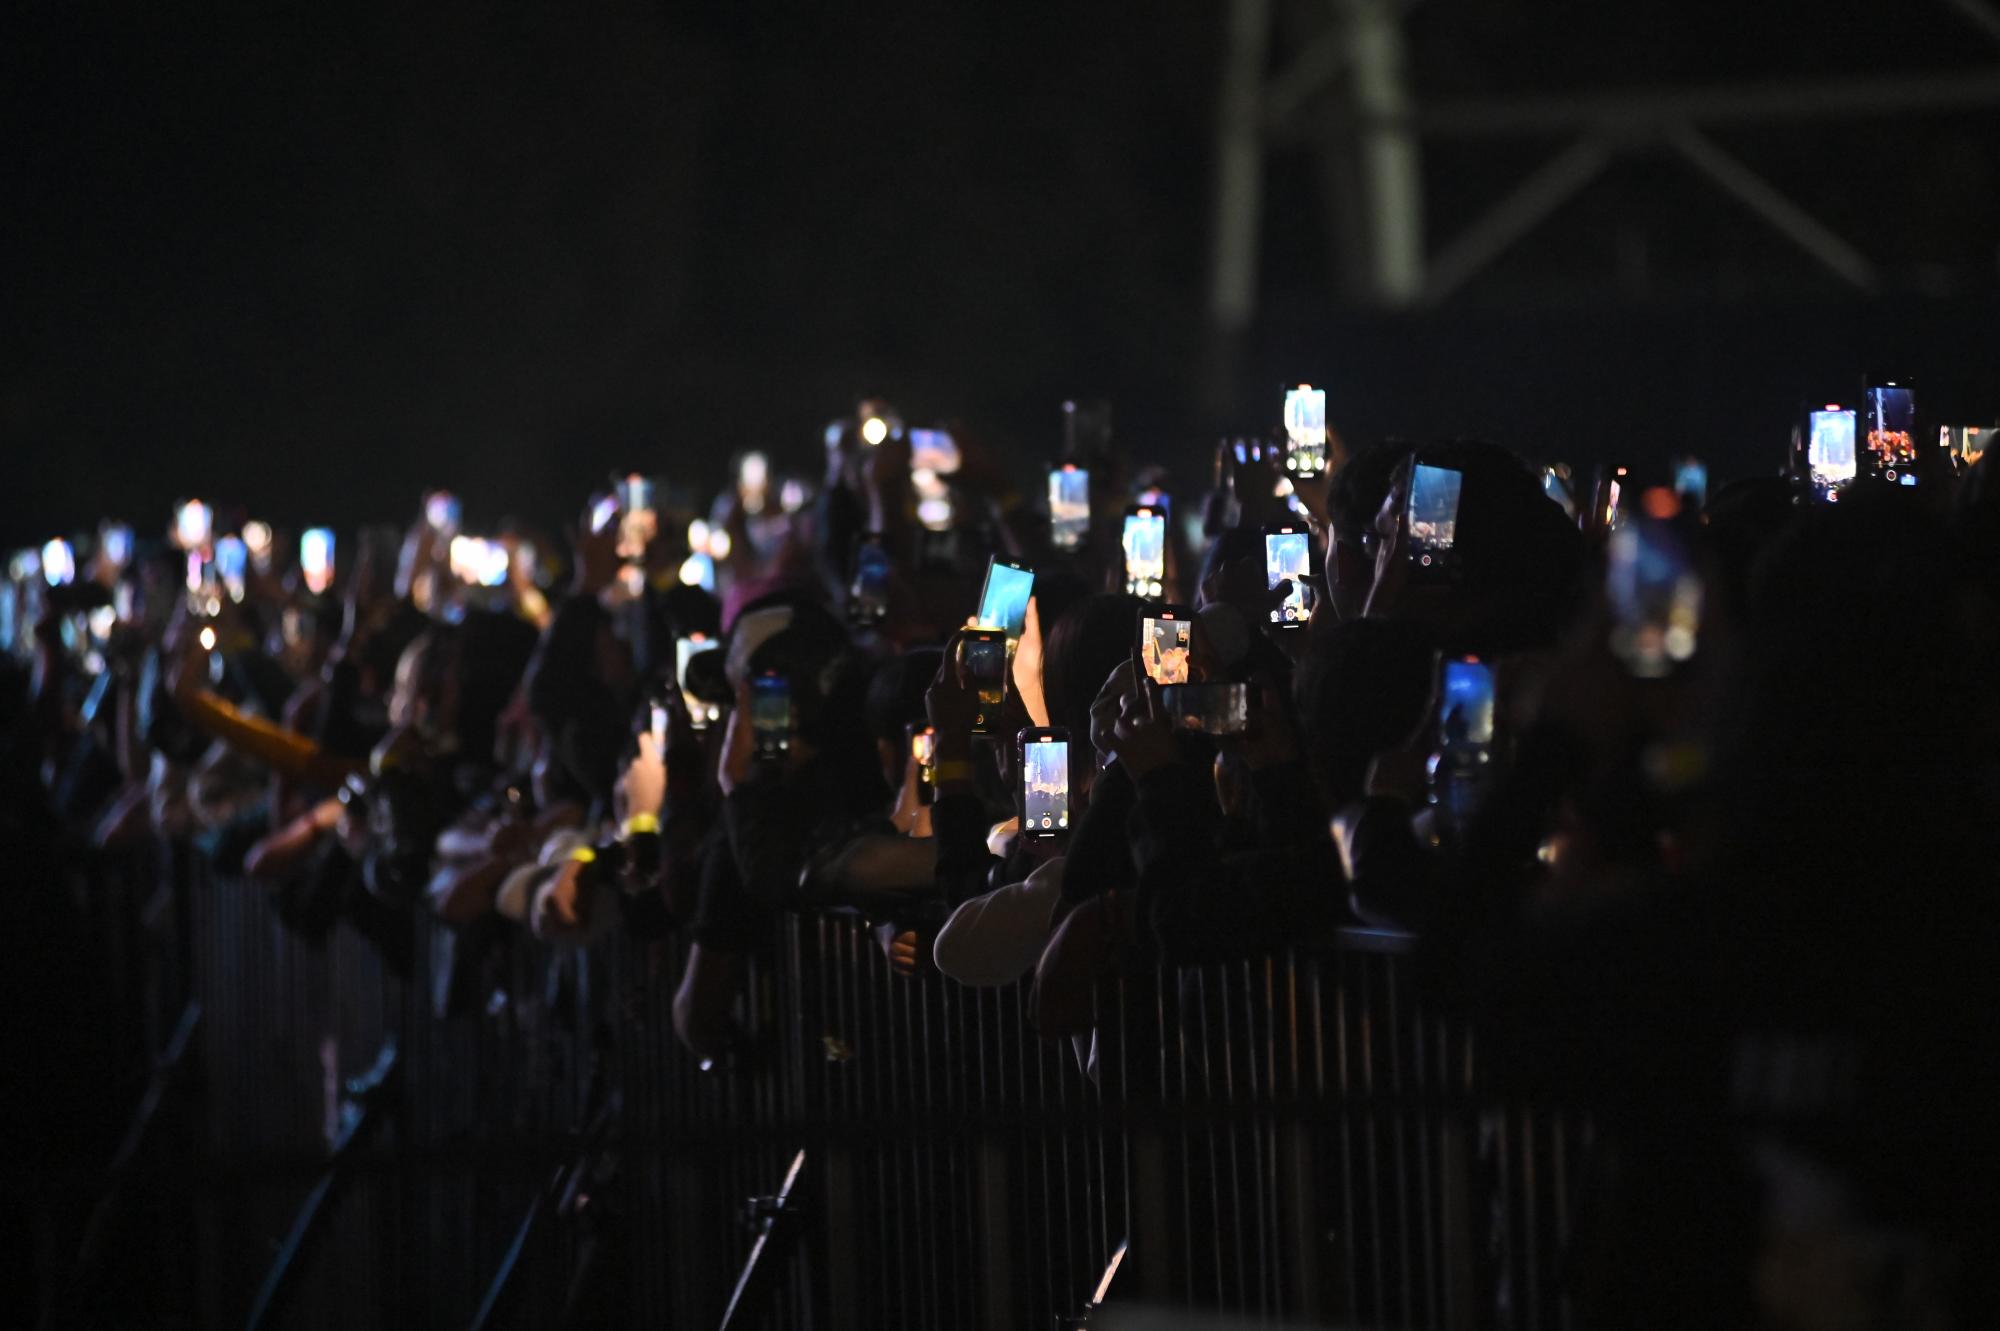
x,y
1239,187
1389,161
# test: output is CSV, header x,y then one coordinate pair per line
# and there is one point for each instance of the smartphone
x,y
868,594
1972,443
1889,410
934,451
934,507
694,650
478,562
1166,636
58,563
753,481
1251,450
1305,431
1044,782
698,570
442,511
116,542
1145,542
603,512
1003,600
257,538
1830,460
1069,507
771,714
638,519
1556,487
1288,556
923,752
657,723
1208,709
1431,519
1608,498
983,665
1655,593
1465,704
1691,483
232,563
194,524
316,559
1966,443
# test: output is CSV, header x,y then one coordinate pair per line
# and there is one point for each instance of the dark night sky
x,y
313,259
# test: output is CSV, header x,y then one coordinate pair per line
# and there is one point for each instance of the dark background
x,y
314,258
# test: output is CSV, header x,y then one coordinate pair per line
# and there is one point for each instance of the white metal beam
x,y
1501,226
1762,198
1239,167
1639,111
1978,13
1390,156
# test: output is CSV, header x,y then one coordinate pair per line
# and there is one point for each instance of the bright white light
x,y
193,524
719,544
935,514
207,639
58,563
792,495
874,430
103,620
756,471
923,477
316,559
698,536
257,535
493,563
697,570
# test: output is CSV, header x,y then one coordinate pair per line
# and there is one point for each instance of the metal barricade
x,y
1286,1137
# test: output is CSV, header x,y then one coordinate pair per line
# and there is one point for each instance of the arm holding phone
x,y
958,818
266,741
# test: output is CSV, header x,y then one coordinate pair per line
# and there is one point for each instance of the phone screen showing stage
x,y
1465,711
1045,787
771,714
1830,448
1145,541
1890,412
1288,555
1433,515
1069,507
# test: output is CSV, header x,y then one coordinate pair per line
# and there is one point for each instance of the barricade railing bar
x,y
1293,1137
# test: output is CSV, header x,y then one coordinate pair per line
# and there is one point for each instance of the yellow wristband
x,y
956,770
583,855
641,823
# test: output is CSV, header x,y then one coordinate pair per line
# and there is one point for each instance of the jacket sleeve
x,y
1100,854
959,824
995,939
288,752
559,676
